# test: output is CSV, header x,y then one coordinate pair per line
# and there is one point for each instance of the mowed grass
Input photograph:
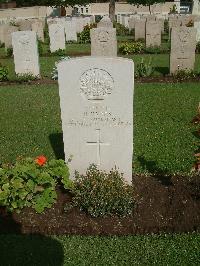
x,y
18,250
160,63
164,138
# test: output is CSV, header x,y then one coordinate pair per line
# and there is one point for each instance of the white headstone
x,y
37,26
8,35
105,23
197,27
57,37
70,30
103,42
96,97
25,52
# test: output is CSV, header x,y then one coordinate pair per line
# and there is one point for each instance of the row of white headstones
x,y
104,43
96,98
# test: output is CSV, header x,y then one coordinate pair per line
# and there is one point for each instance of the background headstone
x,y
70,30
96,97
105,23
25,25
37,26
153,33
8,35
140,29
25,52
57,37
103,42
183,45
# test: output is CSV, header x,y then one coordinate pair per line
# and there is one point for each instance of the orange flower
x,y
41,160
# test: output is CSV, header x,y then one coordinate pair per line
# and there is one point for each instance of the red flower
x,y
41,160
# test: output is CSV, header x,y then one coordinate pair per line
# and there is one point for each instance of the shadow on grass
x,y
163,70
151,166
57,145
20,250
37,250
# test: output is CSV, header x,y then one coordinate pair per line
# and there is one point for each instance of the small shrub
x,y
54,73
25,77
198,48
40,48
121,30
84,36
46,34
166,26
31,183
3,73
184,74
155,50
59,52
2,44
173,10
9,52
131,47
144,68
100,194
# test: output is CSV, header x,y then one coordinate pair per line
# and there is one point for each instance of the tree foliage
x,y
51,2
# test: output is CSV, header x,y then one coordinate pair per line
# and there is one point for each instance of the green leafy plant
x,y
166,26
173,10
84,36
40,48
99,193
3,73
156,50
32,183
121,30
184,74
25,77
59,52
2,44
131,47
54,73
9,52
144,68
198,48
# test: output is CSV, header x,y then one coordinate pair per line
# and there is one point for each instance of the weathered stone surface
x,y
197,27
2,37
7,35
183,44
140,29
153,33
37,26
97,114
25,52
25,25
105,23
103,42
57,37
70,30
174,21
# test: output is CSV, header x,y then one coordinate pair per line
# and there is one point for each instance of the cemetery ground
x,y
166,193
164,142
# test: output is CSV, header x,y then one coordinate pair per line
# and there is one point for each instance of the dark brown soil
x,y
162,204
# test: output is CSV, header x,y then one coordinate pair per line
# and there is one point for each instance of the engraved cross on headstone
x,y
98,143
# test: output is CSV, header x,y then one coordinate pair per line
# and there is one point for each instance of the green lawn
x,y
163,135
160,62
169,250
